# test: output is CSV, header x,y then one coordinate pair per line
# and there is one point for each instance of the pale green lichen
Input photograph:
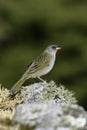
x,y
49,97
46,116
58,93
7,104
43,92
7,109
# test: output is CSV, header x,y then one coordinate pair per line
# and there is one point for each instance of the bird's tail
x,y
16,87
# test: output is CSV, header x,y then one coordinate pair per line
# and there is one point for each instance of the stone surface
x,y
47,106
49,116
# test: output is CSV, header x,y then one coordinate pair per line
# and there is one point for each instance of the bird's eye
x,y
53,47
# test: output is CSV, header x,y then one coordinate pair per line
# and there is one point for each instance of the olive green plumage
x,y
39,67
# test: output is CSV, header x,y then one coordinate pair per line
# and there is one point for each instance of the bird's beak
x,y
58,48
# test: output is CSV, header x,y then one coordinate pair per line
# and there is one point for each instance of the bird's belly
x,y
43,71
46,70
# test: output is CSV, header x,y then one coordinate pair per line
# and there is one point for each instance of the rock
x,y
49,107
46,116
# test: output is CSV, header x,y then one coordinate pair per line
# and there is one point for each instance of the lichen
x,y
39,106
7,109
43,92
46,116
7,104
58,93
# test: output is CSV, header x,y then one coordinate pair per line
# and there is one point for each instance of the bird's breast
x,y
47,68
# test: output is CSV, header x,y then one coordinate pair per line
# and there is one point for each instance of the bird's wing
x,y
39,63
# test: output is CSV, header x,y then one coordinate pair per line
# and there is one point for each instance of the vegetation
x,y
34,94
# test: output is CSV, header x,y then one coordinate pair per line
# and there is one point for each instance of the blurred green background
x,y
29,26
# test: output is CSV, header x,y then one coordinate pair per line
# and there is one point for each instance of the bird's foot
x,y
44,81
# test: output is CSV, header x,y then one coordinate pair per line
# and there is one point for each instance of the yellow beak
x,y
58,48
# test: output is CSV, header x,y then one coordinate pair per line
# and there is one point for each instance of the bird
x,y
39,67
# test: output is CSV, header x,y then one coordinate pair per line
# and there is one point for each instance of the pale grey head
x,y
52,49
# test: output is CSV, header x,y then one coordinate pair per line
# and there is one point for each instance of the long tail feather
x,y
16,87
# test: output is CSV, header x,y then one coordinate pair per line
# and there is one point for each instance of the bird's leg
x,y
41,79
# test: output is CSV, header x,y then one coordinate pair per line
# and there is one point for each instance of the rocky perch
x,y
41,106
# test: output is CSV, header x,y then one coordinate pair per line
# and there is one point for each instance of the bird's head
x,y
52,49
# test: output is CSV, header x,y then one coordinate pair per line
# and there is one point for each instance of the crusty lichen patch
x,y
7,109
58,93
48,116
34,93
43,92
7,104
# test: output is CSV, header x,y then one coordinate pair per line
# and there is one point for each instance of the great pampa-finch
x,y
39,67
